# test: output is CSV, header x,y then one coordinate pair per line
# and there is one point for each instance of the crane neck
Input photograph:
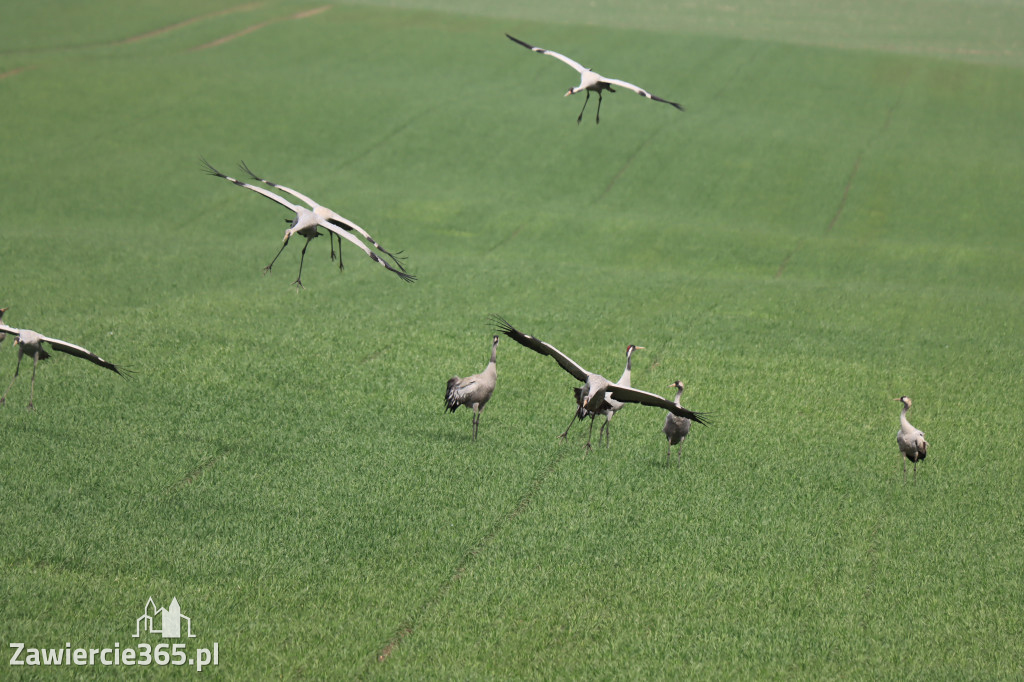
x,y
627,374
903,419
679,395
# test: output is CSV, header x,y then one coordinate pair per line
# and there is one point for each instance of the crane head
x,y
677,385
903,399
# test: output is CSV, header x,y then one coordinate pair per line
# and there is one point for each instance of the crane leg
x,y
565,433
607,429
598,120
580,118
904,469
267,269
330,236
668,455
476,422
3,399
298,280
32,390
591,434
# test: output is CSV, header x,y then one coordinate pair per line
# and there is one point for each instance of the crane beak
x,y
568,93
640,347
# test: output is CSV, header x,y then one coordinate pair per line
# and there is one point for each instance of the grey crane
x,y
331,217
595,387
910,439
609,407
306,224
31,343
474,391
676,428
591,81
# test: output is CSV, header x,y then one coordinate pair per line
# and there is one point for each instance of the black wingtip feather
x,y
517,40
703,418
207,168
501,325
248,171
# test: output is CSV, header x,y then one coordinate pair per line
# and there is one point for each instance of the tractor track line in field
x,y
140,37
851,176
255,27
872,567
622,169
192,476
478,547
625,165
13,72
384,139
504,240
181,24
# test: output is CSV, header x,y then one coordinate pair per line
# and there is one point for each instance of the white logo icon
x,y
169,621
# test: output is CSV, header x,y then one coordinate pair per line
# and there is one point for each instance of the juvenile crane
x,y
911,440
331,217
595,387
474,391
676,428
609,407
591,81
306,224
31,343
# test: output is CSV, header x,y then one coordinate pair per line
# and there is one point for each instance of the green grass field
x,y
833,222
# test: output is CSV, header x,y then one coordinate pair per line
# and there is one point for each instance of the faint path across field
x,y
851,176
478,547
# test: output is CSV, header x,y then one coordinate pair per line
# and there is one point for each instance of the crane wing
x,y
298,195
561,57
640,91
259,190
374,257
538,346
348,225
9,330
78,351
627,394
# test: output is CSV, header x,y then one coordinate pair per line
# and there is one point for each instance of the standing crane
x,y
331,217
591,81
474,391
595,387
676,428
306,224
911,440
31,343
609,407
